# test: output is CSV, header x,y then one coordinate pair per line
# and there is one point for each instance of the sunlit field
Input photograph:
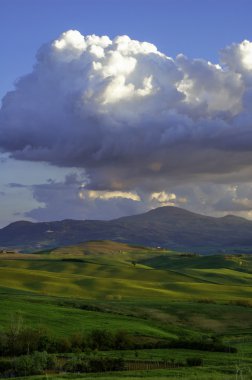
x,y
157,297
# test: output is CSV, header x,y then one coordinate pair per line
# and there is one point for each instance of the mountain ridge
x,y
168,226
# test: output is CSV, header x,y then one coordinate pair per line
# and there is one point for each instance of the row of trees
x,y
28,340
19,339
40,362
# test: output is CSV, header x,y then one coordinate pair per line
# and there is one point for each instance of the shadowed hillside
x,y
169,227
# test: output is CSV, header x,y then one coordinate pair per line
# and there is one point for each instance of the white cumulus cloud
x,y
106,195
132,117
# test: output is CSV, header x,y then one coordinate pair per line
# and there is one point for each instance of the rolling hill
x,y
163,302
168,227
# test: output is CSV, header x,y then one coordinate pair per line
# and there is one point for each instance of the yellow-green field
x,y
151,293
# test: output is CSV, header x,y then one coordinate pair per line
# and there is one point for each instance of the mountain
x,y
169,227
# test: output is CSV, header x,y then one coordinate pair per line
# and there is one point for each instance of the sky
x,y
114,107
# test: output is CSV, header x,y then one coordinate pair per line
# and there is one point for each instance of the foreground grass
x,y
188,374
165,295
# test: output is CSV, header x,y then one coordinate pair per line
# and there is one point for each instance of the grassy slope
x,y
111,274
165,295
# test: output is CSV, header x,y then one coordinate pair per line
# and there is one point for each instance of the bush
x,y
83,364
24,366
52,362
3,343
100,340
34,364
62,345
76,364
78,342
206,300
6,367
193,362
212,344
122,340
241,302
24,340
106,364
45,340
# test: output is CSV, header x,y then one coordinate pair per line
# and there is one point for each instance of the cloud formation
x,y
106,195
138,122
62,200
69,199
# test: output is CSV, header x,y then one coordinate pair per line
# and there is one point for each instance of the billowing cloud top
x,y
131,116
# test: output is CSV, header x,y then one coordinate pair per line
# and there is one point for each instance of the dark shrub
x,y
122,340
78,342
24,340
100,340
241,302
24,366
106,364
83,364
206,300
76,364
62,345
45,340
5,365
193,362
214,345
3,343
34,364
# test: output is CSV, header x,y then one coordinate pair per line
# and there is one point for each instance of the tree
x,y
13,332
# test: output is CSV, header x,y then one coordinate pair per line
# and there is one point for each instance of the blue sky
x,y
36,186
198,28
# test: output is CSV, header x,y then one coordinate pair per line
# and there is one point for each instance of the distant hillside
x,y
169,227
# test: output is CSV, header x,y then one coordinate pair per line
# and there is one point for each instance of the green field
x,y
152,294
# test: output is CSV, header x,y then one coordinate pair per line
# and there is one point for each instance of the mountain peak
x,y
168,226
230,217
164,213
